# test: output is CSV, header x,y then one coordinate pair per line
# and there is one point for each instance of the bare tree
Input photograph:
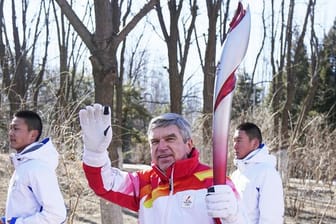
x,y
276,77
4,57
285,78
290,78
18,59
315,64
208,63
103,44
314,76
178,47
71,52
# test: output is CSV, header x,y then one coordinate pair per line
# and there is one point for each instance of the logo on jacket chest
x,y
187,201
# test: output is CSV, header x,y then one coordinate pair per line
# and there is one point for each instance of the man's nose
x,y
162,144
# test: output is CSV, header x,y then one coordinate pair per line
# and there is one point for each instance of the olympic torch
x,y
233,52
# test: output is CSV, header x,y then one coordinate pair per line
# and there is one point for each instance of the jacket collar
x,y
180,168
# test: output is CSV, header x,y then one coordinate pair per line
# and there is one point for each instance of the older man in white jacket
x,y
256,177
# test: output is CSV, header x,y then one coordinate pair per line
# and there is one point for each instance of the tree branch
x,y
127,29
161,21
77,24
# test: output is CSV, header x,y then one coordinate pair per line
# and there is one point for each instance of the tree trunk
x,y
209,71
103,45
178,48
104,94
314,69
110,213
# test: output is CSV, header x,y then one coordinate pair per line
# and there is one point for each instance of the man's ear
x,y
255,143
191,144
34,134
190,147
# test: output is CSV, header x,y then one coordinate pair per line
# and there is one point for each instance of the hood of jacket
x,y
44,151
259,155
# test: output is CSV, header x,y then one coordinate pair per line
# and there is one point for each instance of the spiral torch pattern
x,y
233,52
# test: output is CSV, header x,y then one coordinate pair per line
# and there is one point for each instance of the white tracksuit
x,y
260,187
34,196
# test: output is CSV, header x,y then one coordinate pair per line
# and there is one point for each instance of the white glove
x,y
222,203
96,127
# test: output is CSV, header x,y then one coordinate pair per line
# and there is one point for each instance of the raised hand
x,y
95,122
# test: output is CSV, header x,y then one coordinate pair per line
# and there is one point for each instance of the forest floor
x,y
307,202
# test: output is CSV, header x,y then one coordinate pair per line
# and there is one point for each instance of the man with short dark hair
x,y
256,177
33,195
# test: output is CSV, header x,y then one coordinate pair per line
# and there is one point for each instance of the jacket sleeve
x,y
114,185
271,201
44,186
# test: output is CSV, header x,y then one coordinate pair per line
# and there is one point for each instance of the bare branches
x,y
77,24
135,20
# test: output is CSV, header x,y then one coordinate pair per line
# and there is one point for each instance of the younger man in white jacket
x,y
34,196
256,177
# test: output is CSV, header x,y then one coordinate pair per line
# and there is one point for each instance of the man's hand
x,y
96,127
222,203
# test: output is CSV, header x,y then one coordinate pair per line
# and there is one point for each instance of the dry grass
x,y
310,197
307,202
310,202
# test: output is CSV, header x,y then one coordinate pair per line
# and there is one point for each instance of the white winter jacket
x,y
260,187
34,196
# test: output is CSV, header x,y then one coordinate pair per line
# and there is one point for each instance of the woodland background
x,y
148,57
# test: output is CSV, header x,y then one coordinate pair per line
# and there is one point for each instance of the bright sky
x,y
325,14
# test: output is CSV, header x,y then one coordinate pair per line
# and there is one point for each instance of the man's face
x,y
243,145
167,146
19,135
